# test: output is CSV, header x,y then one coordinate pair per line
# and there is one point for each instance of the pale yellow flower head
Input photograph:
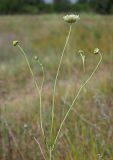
x,y
72,18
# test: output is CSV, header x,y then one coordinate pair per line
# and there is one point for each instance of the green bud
x,y
35,58
96,50
80,51
82,54
15,43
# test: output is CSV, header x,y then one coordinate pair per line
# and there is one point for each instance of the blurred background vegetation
x,y
44,36
88,132
45,6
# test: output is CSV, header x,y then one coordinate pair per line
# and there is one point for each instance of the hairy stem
x,y
37,87
73,102
57,74
40,97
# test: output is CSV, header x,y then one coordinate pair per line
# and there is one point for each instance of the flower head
x,y
72,18
15,43
96,50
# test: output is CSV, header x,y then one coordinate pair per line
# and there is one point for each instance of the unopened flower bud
x,y
96,50
81,52
35,58
15,43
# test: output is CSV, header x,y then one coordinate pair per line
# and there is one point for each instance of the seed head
x,y
72,18
15,43
96,51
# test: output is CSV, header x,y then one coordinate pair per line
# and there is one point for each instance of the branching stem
x,y
73,102
39,90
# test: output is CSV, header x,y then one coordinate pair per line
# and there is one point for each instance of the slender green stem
x,y
83,61
73,102
54,90
37,87
24,54
84,65
40,97
43,74
50,154
84,119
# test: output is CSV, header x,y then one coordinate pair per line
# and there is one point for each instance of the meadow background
x,y
88,131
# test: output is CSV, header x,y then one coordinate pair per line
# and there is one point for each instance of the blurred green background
x,y
50,6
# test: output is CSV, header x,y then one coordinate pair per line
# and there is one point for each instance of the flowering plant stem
x,y
56,78
73,102
83,62
50,154
39,90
